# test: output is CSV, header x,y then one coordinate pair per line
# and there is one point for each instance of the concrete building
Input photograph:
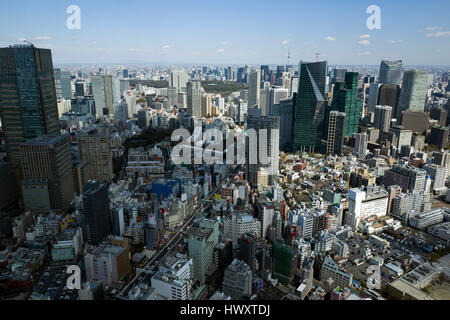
x,y
95,150
107,264
237,281
239,224
47,164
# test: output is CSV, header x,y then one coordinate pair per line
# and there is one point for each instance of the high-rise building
x,y
102,87
439,114
237,280
284,262
383,118
274,95
63,83
388,95
47,162
247,250
95,217
206,105
408,177
143,118
8,186
361,144
28,104
390,72
178,79
414,91
262,171
84,105
194,98
201,243
439,136
310,107
345,99
265,73
95,150
335,136
80,88
254,83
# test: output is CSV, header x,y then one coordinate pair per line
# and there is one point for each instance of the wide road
x,y
170,245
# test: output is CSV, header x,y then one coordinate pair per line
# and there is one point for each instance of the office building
x,y
238,224
194,98
47,163
390,72
415,121
201,243
310,107
388,95
439,137
284,262
102,87
365,204
108,264
274,96
409,178
345,100
439,114
28,104
383,118
63,84
400,136
237,280
331,270
247,250
335,136
414,91
426,219
178,79
8,185
262,171
95,217
254,83
95,150
143,118
84,105
438,174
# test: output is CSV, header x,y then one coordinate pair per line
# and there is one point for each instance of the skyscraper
x,y
95,150
178,79
383,118
414,91
95,218
335,136
102,87
310,107
63,84
247,250
388,95
253,88
194,98
273,97
345,100
28,104
390,72
47,165
259,172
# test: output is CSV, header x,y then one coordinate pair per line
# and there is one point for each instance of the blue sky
x,y
238,32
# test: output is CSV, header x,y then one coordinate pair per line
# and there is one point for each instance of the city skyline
x,y
156,33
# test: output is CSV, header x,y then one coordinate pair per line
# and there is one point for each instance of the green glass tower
x,y
284,262
28,105
310,107
345,100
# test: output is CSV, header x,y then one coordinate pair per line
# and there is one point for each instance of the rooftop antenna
x,y
317,57
28,42
289,56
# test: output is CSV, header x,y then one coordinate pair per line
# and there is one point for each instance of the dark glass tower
x,y
28,105
310,107
95,217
